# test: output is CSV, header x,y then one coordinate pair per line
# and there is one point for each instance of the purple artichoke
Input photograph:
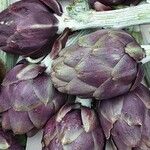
x,y
74,128
28,99
8,141
102,64
107,3
29,27
126,119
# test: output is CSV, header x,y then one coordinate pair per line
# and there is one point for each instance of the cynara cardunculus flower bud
x,y
103,64
28,99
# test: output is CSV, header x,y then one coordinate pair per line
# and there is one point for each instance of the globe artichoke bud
x,y
28,99
99,6
125,119
29,27
102,65
74,127
8,141
107,3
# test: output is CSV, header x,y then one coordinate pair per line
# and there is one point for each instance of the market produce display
x,y
74,78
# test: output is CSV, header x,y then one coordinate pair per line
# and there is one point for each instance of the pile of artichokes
x,y
83,95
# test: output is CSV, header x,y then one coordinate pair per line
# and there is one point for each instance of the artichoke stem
x,y
145,30
34,61
44,61
47,62
34,143
84,102
109,19
148,1
147,50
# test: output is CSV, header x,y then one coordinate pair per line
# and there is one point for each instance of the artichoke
x,y
29,27
75,127
8,142
126,119
102,64
28,99
98,6
113,2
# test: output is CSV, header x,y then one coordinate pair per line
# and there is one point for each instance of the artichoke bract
x,y
28,99
8,141
102,64
125,119
74,127
29,27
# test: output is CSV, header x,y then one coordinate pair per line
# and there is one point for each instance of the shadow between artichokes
x,y
8,141
2,70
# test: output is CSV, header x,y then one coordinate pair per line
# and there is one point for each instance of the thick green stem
x,y
145,30
147,51
84,102
4,4
148,1
108,19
